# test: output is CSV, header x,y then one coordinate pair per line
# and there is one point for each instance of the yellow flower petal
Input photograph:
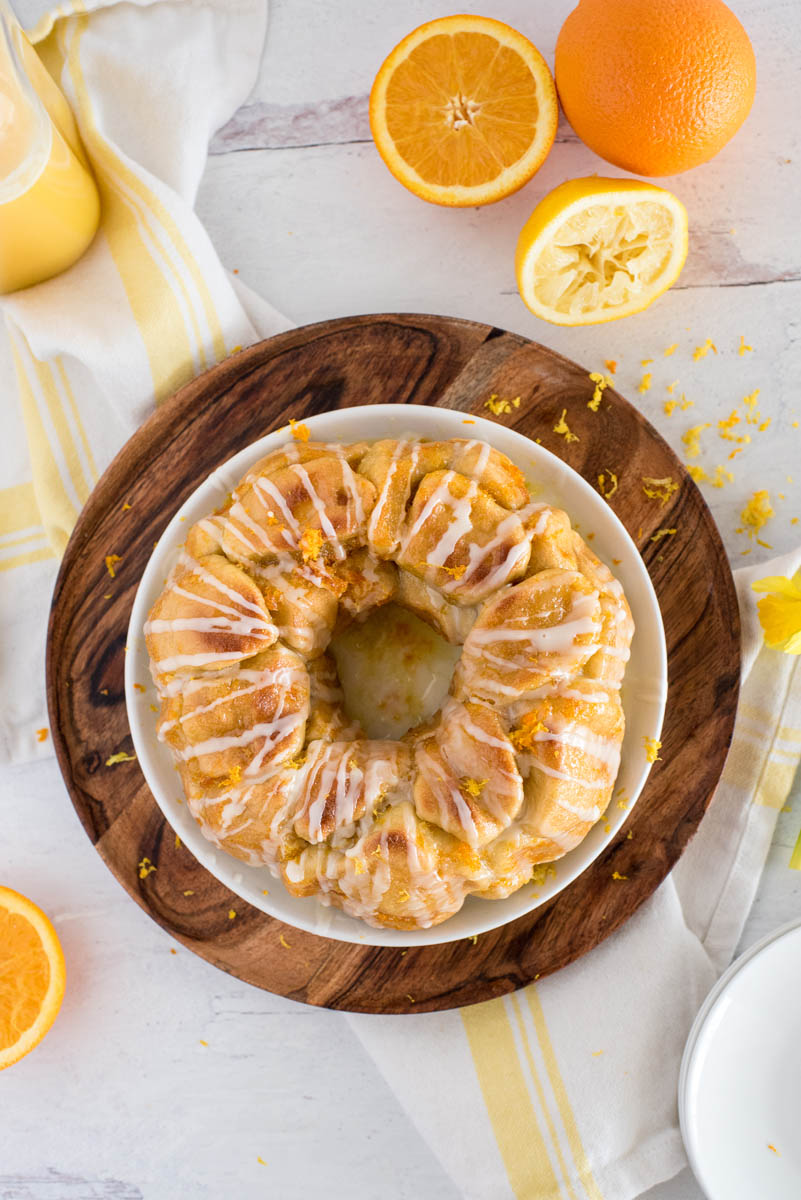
x,y
780,584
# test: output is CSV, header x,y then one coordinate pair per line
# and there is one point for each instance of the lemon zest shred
x,y
756,513
563,428
661,533
145,868
499,407
702,351
666,353
652,748
284,942
617,875
120,757
743,348
645,382
231,914
721,477
542,873
670,407
607,487
111,561
601,384
692,438
644,362
473,787
659,489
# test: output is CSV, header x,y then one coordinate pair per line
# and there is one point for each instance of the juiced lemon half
x,y
598,249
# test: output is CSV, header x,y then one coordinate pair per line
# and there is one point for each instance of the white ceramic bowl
x,y
643,694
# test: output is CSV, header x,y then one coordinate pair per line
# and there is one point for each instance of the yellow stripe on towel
x,y
58,510
150,292
503,1086
554,1136
560,1095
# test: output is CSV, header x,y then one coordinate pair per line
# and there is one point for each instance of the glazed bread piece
x,y
514,769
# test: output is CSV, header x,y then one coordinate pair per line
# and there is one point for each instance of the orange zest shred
x,y
523,736
499,407
42,734
120,757
563,428
770,1144
139,687
607,484
601,384
611,365
659,489
111,563
298,430
311,544
454,572
145,868
692,438
233,777
126,507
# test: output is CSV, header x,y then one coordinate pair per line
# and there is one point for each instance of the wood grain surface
x,y
336,364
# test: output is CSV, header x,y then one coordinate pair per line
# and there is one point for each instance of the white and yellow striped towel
x,y
566,1089
88,353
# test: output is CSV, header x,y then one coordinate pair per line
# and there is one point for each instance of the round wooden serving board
x,y
402,360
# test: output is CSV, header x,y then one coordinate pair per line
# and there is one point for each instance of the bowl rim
x,y
425,422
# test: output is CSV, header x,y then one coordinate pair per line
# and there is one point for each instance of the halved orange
x,y
463,111
32,976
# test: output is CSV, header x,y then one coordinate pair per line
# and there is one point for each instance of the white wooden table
x,y
124,1100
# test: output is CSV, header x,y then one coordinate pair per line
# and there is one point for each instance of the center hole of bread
x,y
394,669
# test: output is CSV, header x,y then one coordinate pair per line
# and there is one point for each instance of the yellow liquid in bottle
x,y
49,204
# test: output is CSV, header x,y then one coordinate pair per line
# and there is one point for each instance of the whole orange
x,y
655,86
